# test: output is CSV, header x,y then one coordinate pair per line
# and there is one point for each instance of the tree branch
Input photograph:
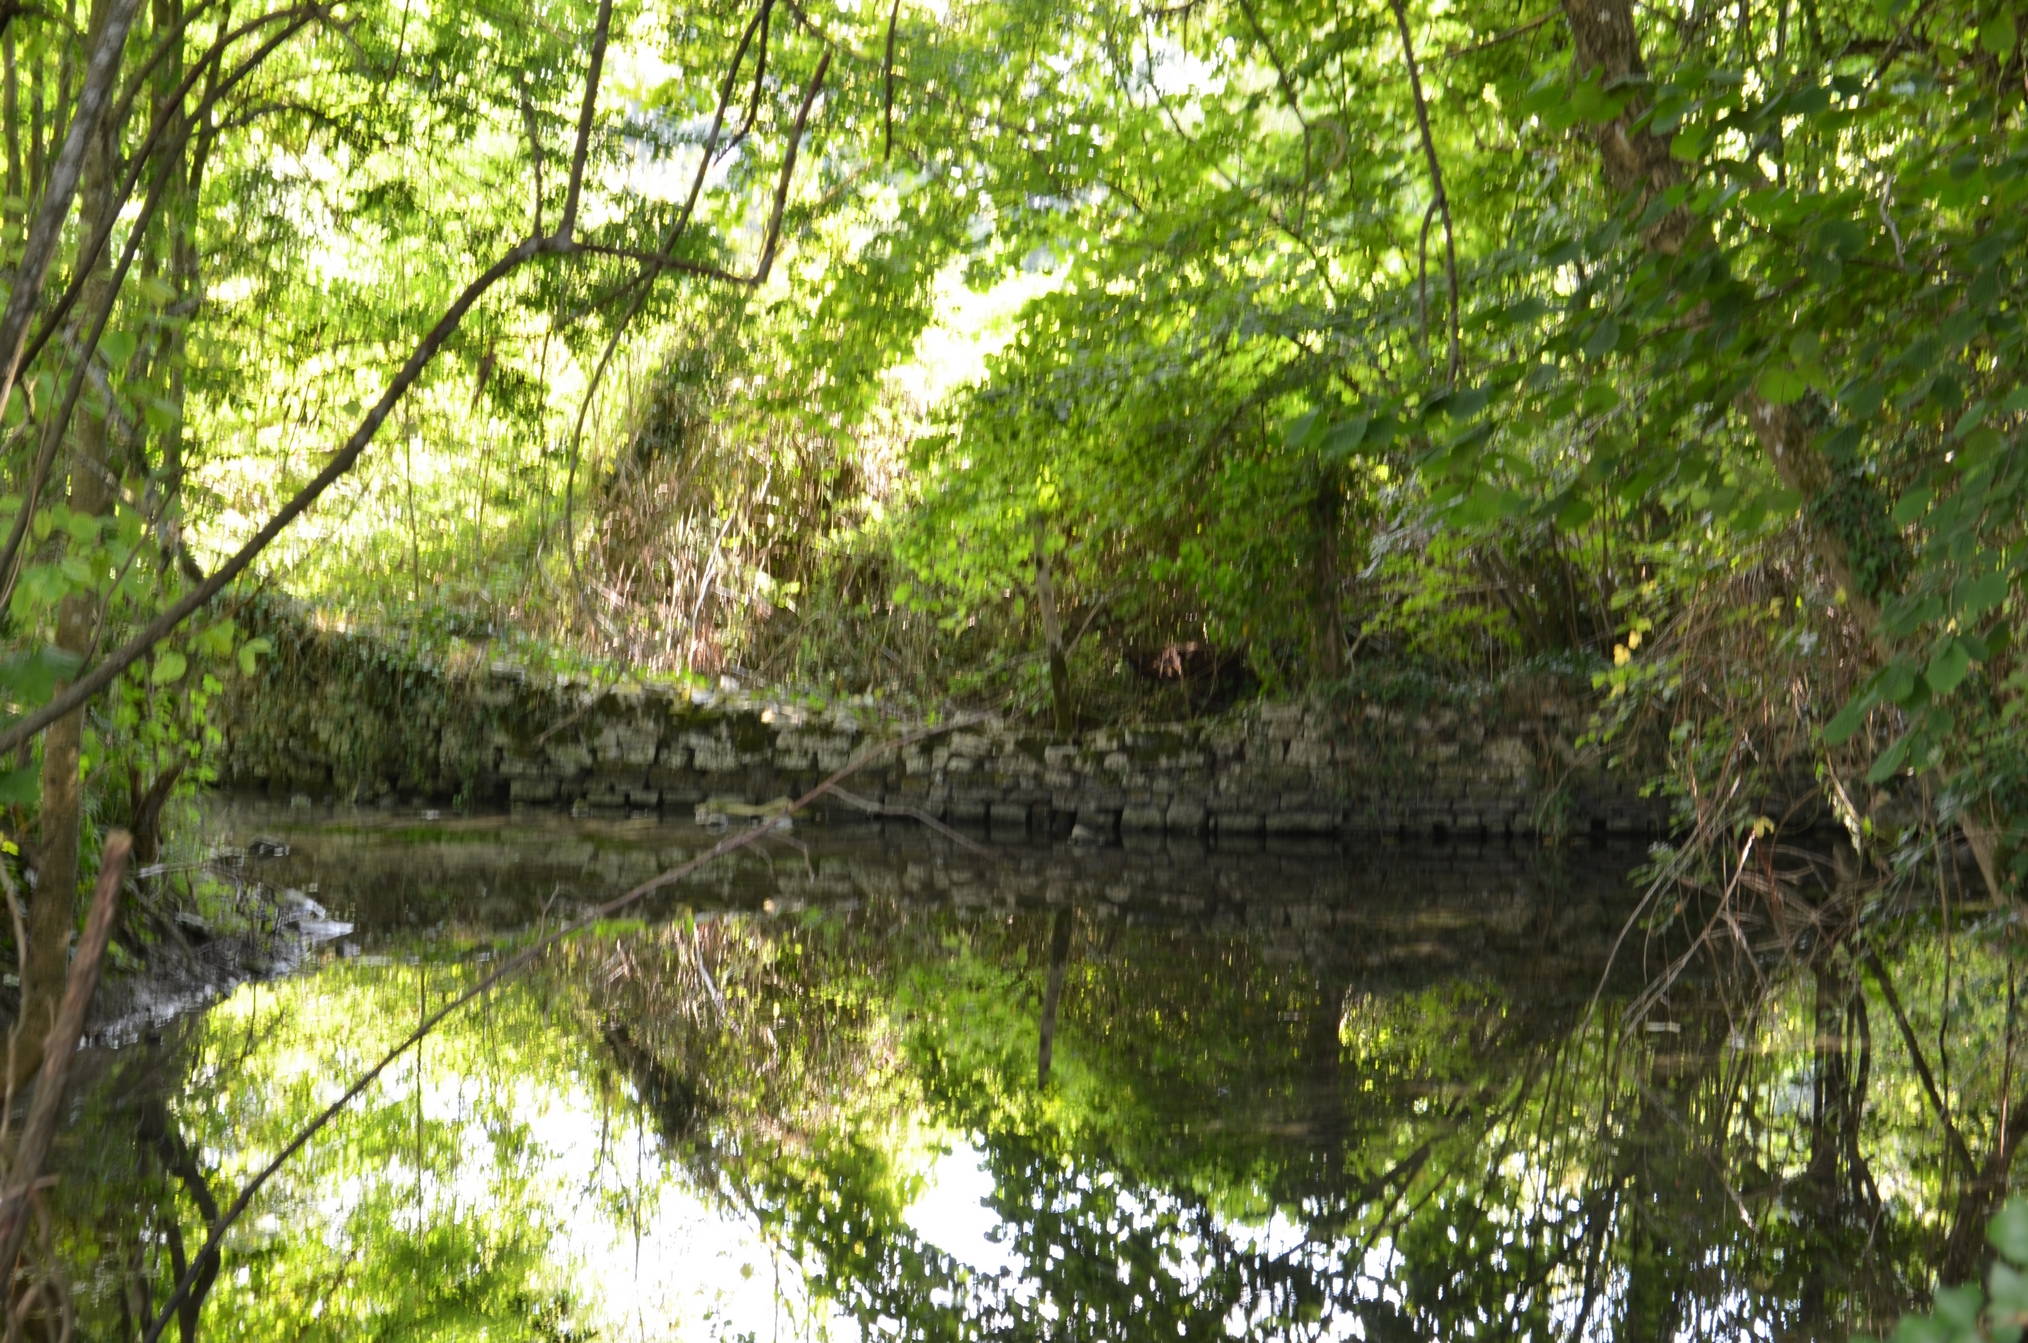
x,y
568,225
104,673
767,259
1436,176
53,429
101,70
60,1047
305,15
887,82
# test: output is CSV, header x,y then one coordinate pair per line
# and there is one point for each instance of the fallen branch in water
x,y
58,1048
872,808
520,962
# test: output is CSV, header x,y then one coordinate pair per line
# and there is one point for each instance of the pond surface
x,y
861,1082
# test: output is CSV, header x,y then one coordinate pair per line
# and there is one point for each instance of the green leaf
x,y
1897,683
1603,341
250,653
216,641
1849,719
21,787
1575,514
169,667
30,679
1297,434
1783,385
1904,615
1997,34
1959,1306
1948,666
2008,1232
1975,596
1341,439
117,346
1487,503
1913,505
1921,1329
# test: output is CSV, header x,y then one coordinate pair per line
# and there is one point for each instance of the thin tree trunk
x,y
66,1026
36,128
1637,160
1052,994
52,911
1327,620
1052,632
15,191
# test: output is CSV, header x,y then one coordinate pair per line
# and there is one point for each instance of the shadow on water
x,y
863,1083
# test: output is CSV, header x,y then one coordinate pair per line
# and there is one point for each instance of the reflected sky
x,y
1287,1095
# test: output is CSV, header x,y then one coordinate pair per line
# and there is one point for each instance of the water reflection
x,y
865,1085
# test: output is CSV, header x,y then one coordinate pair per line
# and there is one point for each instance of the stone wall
x,y
347,717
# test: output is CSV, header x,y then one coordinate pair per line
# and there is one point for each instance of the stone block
x,y
1282,718
570,757
1301,823
607,790
624,744
1011,817
969,809
1185,816
1309,753
1236,823
1143,817
1101,824
539,788
710,754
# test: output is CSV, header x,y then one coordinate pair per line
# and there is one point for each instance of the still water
x,y
864,1083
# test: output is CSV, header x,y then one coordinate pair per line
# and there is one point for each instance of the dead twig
x,y
873,808
59,1047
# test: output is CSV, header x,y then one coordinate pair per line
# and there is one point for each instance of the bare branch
x,y
767,260
103,675
61,1046
660,262
1436,176
584,120
887,80
53,429
304,15
101,71
1518,30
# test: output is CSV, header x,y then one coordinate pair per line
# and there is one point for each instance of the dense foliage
x,y
1083,360
1110,358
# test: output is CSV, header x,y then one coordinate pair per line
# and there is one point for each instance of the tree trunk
x,y
1637,161
52,912
15,190
1052,633
1052,994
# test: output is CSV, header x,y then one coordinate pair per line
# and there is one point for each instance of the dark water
x,y
863,1083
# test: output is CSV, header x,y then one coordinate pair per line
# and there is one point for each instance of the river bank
x,y
347,716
